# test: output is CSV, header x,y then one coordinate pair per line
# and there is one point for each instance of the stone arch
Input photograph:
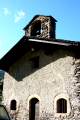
x,y
62,104
34,109
36,28
13,104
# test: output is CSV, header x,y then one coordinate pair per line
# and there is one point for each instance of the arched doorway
x,y
34,109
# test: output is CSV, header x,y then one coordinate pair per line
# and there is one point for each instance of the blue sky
x,y
15,15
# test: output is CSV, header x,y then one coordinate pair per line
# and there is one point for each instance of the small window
x,y
35,62
13,105
61,106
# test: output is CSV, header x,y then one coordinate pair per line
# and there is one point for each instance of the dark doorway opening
x,y
34,109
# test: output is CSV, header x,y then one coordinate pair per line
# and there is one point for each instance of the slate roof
x,y
27,43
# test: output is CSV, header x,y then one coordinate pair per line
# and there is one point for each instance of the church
x,y
42,74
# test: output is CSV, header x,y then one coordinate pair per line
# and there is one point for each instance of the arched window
x,y
36,28
13,105
61,106
34,109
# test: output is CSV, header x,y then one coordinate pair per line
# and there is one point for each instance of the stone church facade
x,y
42,74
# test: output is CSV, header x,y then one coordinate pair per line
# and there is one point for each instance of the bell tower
x,y
42,27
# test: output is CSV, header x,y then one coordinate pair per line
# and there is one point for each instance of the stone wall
x,y
55,78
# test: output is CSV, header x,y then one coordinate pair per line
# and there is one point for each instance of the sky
x,y
16,14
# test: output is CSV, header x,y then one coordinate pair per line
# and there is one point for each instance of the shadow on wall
x,y
1,83
2,74
37,60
